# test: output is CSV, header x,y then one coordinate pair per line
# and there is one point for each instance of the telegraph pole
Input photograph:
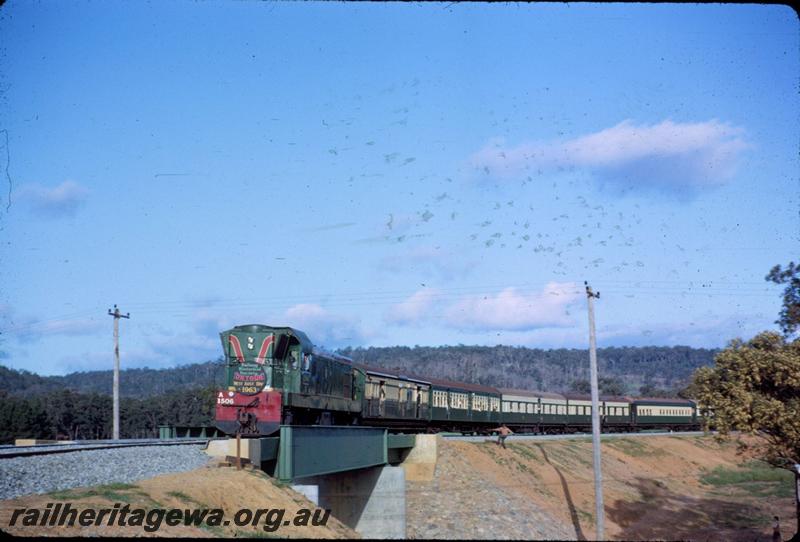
x,y
117,315
598,475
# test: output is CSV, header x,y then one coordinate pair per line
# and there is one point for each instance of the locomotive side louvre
x,y
323,382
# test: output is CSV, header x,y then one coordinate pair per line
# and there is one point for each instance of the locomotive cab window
x,y
294,359
281,348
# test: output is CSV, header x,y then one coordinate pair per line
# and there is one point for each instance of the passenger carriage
x,y
657,413
579,411
537,411
394,398
459,406
616,413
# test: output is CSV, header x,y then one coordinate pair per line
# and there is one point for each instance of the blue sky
x,y
381,174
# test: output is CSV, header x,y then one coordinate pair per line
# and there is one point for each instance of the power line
x,y
371,298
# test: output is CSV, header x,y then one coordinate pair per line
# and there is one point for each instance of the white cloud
x,y
413,310
671,155
514,310
59,201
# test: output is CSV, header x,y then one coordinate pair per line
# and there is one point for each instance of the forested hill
x,y
624,370
133,382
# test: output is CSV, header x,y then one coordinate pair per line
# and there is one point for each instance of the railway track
x,y
518,437
8,451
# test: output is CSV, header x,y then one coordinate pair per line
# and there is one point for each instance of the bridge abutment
x,y
371,501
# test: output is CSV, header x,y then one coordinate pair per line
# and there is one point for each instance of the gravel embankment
x,y
461,503
42,474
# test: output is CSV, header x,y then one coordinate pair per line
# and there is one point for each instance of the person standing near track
x,y
502,434
776,530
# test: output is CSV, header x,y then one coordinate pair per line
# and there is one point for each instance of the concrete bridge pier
x,y
371,501
344,469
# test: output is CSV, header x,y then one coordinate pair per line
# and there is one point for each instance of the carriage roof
x,y
531,393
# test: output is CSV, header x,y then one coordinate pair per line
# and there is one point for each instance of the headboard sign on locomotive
x,y
280,377
248,378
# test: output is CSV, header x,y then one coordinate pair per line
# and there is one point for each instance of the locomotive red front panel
x,y
259,413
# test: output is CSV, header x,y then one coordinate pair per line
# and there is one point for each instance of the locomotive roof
x,y
531,393
317,351
305,342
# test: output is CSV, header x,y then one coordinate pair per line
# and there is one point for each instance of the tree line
x,y
645,371
66,414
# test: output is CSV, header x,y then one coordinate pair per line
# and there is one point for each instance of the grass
x,y
112,492
634,447
186,498
571,451
119,486
116,492
752,471
757,478
524,451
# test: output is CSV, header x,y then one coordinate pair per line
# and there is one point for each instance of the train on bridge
x,y
275,376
